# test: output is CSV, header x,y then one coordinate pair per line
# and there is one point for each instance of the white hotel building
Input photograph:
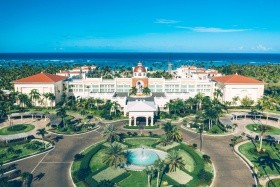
x,y
188,82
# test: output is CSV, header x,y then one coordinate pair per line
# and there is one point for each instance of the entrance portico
x,y
141,108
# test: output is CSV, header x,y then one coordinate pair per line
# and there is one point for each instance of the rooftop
x,y
41,78
236,79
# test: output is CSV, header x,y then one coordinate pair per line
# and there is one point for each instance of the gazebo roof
x,y
141,106
13,137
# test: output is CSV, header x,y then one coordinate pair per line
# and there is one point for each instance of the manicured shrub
x,y
78,156
82,173
194,145
205,177
206,158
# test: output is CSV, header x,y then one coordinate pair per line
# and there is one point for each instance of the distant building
x,y
43,83
239,86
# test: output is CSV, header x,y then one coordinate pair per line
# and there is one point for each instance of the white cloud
x,y
211,29
261,47
166,21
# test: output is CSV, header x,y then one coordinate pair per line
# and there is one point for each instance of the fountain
x,y
142,156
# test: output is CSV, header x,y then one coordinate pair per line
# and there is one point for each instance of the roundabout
x,y
15,129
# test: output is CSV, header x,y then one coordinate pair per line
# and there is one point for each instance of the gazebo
x,y
140,108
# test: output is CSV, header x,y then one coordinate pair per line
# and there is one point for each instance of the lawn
x,y
108,174
138,142
273,183
96,161
137,127
20,150
257,128
136,179
267,162
15,129
188,160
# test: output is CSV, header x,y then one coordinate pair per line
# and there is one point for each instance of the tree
x,y
174,161
263,130
149,171
51,98
218,93
115,107
235,99
246,101
133,91
198,98
110,133
24,100
34,96
114,155
42,132
61,112
204,176
146,91
27,179
159,166
172,132
164,141
45,98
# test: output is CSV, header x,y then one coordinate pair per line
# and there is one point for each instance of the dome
x,y
139,68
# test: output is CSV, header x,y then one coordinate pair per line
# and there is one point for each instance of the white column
x,y
152,121
135,118
147,121
129,123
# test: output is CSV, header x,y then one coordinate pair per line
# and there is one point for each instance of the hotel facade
x,y
187,82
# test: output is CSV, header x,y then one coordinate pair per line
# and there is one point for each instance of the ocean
x,y
150,60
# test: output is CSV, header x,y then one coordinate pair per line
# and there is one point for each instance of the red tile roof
x,y
41,78
236,79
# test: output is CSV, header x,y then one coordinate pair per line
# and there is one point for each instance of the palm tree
x,y
159,166
198,98
45,98
133,91
164,141
34,96
114,155
149,171
263,130
42,132
61,112
218,93
172,132
110,133
146,91
24,100
174,161
27,178
115,107
51,98
235,99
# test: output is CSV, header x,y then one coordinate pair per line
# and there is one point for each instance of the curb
x,y
213,135
29,156
74,134
246,161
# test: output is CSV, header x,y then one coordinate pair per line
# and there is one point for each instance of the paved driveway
x,y
54,166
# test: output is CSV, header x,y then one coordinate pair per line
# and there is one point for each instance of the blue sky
x,y
140,26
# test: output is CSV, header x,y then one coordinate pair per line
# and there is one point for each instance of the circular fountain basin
x,y
142,157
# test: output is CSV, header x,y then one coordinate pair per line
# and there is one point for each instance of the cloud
x,y
261,47
166,21
211,29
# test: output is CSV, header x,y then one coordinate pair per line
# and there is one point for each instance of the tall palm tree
x,y
263,130
218,93
172,132
146,91
52,98
149,171
110,133
34,96
45,98
159,166
174,161
235,99
198,97
114,155
42,132
24,100
115,107
61,112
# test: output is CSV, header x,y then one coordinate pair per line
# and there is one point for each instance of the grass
x,y
257,128
180,176
15,129
108,174
273,183
96,162
18,151
136,179
138,142
267,163
188,160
